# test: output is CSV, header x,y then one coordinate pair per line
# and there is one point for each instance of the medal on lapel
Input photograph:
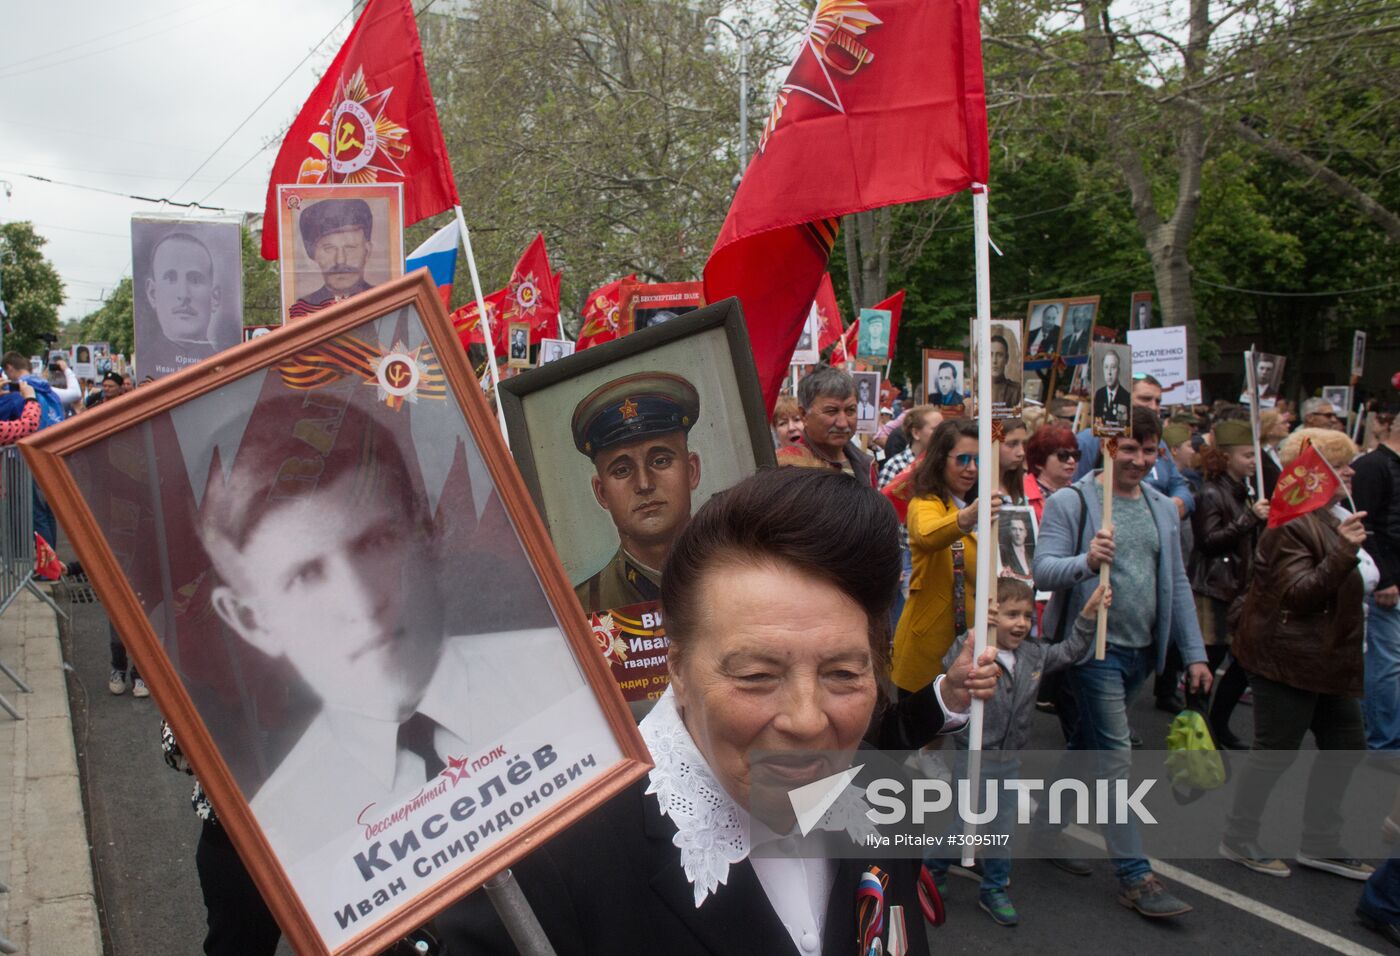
x,y
870,910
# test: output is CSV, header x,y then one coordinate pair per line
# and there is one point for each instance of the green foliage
x,y
111,321
29,287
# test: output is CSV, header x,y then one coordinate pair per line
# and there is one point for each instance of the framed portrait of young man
x,y
619,445
331,576
873,339
944,382
867,402
1265,374
1007,366
337,242
1017,531
518,345
186,290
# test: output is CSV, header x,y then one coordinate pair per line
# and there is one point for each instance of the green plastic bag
x,y
1193,763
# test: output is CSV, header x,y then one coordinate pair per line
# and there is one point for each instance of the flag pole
x,y
1252,380
485,321
987,480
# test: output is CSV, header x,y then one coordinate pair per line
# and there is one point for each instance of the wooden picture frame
x,y
434,838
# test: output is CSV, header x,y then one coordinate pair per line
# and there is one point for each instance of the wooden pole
x,y
1252,381
1110,447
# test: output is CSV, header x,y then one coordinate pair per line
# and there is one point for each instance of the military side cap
x,y
1175,433
634,407
326,216
1229,433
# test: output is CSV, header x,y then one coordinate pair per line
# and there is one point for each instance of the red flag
x,y
466,321
602,314
884,104
900,490
845,350
1306,485
533,295
828,314
370,119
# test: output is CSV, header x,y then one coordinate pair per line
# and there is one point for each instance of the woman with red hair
x,y
1052,454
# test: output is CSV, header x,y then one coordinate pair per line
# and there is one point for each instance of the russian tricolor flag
x,y
439,256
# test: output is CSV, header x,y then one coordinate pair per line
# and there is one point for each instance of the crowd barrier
x,y
16,547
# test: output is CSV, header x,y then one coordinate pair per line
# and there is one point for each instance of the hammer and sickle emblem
x,y
345,138
398,374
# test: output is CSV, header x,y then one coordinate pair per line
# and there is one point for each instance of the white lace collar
x,y
712,830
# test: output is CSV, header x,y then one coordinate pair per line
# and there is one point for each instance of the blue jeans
x,y
996,864
1104,690
1382,701
44,521
1380,898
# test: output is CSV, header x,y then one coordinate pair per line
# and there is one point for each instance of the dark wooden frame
x,y
726,314
46,453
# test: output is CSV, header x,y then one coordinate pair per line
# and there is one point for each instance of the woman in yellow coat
x,y
940,516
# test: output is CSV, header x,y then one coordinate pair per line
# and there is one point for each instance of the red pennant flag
x,y
533,295
884,104
602,314
466,321
370,119
828,314
1306,485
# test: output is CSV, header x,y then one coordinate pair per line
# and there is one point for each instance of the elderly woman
x,y
1299,639
776,596
786,422
1052,454
942,519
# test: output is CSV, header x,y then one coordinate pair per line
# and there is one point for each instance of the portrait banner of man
x,y
1267,376
806,352
338,589
518,345
552,350
873,340
1078,332
1007,367
1045,321
943,380
1140,314
620,443
1110,380
1358,354
867,402
186,290
1017,531
336,242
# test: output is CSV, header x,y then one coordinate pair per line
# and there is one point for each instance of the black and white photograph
x,y
1007,366
1110,376
806,352
1358,353
551,350
346,598
867,402
82,362
1078,332
619,445
1266,374
187,290
337,242
943,378
518,345
1016,533
1045,321
1140,314
1339,396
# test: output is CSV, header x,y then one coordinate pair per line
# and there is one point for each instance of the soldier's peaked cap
x,y
634,407
325,216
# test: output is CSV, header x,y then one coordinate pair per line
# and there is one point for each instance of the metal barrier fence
x,y
16,546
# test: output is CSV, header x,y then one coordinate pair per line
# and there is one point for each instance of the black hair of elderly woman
x,y
776,600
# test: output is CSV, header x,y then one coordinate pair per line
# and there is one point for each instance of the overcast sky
x,y
132,97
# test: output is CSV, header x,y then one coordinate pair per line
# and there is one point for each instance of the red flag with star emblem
x,y
602,314
371,119
1306,485
884,104
533,295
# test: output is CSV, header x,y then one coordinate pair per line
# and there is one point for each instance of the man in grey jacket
x,y
1152,608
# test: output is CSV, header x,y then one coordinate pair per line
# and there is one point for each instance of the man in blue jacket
x,y
1152,608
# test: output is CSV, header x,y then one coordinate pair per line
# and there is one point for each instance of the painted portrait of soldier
x,y
187,291
337,241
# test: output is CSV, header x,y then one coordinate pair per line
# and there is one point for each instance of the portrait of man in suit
x,y
1044,329
1111,399
1079,330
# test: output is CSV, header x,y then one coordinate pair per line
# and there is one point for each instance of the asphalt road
x,y
143,832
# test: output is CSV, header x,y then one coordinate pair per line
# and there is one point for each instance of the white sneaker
x,y
116,683
139,689
1349,868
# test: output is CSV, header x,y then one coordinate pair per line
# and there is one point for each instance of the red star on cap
x,y
628,409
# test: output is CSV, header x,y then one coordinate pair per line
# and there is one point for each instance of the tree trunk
x,y
1172,273
867,240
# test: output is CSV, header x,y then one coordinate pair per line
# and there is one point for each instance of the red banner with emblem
x,y
1306,485
828,314
602,314
371,119
884,104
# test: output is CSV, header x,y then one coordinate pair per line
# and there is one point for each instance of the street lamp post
x,y
743,34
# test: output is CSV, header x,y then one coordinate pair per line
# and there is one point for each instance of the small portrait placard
x,y
944,384
1007,366
1110,376
867,402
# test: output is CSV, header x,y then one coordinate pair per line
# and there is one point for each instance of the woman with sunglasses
x,y
1052,454
942,521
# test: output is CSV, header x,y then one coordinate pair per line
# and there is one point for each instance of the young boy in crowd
x,y
1006,717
